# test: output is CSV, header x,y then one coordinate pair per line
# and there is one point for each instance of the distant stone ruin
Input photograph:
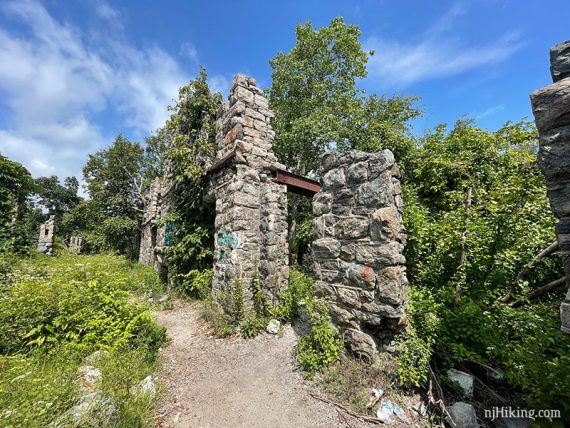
x,y
358,251
551,108
47,232
75,243
154,234
251,207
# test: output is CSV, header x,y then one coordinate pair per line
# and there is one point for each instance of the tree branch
x,y
552,248
540,291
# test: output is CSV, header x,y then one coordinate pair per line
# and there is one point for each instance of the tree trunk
x,y
463,251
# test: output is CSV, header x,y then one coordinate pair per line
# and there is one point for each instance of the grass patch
x,y
54,311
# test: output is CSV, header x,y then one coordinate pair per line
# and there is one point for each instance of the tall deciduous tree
x,y
319,106
115,178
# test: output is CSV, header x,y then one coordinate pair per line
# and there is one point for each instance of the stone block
x,y
560,61
559,195
322,203
326,248
334,179
358,172
376,193
386,224
360,343
361,276
380,255
551,106
553,154
391,285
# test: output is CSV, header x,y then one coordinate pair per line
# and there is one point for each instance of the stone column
x,y
358,251
153,233
251,209
551,108
45,239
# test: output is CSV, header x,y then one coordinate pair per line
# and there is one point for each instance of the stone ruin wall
x,y
75,243
153,235
46,236
358,248
551,108
251,208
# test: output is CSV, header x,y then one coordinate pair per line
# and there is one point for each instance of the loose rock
x,y
273,326
465,381
463,415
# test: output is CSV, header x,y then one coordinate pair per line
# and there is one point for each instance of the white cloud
x,y
488,112
220,83
55,81
189,51
436,53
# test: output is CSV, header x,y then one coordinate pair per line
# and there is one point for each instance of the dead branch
x,y
541,291
440,402
550,249
347,410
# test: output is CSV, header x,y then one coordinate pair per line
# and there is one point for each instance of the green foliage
x,y
297,299
319,349
197,284
56,310
56,198
80,302
186,145
15,185
230,299
252,324
508,223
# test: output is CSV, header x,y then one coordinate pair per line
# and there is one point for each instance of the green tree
x,y
115,179
319,106
54,197
15,184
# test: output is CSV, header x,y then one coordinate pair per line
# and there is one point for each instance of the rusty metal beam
x,y
297,183
222,162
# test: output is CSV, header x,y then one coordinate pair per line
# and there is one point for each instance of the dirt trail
x,y
233,382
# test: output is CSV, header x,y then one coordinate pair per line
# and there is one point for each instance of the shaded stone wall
x,y
551,108
251,209
358,247
45,239
153,235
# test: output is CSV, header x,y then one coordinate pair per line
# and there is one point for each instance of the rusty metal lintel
x,y
297,183
222,162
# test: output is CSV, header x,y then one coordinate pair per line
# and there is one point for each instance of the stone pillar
x,y
551,108
358,251
75,243
153,234
251,209
45,239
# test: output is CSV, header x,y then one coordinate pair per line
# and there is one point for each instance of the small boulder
x,y
89,378
96,356
465,381
163,299
92,410
146,387
273,326
463,415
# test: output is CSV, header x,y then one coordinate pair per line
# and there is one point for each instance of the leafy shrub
x,y
297,299
197,283
79,301
230,299
321,347
252,324
56,310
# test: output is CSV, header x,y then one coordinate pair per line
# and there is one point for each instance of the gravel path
x,y
211,382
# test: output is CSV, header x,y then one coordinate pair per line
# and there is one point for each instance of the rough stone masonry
x,y
358,251
45,239
154,233
250,244
551,108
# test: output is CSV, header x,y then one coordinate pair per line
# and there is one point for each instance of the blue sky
x,y
74,74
